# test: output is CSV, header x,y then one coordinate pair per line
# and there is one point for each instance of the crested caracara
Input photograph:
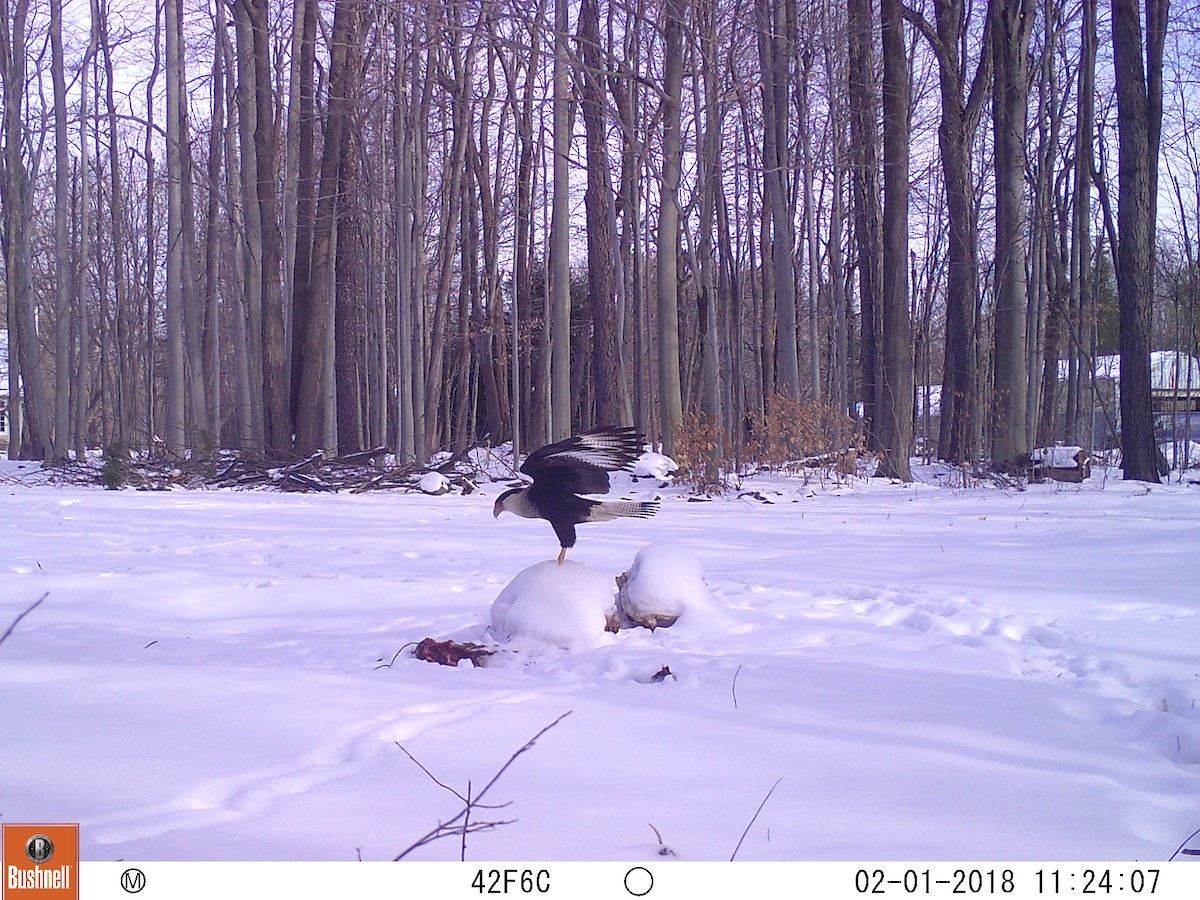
x,y
564,470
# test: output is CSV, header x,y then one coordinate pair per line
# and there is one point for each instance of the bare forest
x,y
290,226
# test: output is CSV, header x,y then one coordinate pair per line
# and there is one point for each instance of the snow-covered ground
x,y
929,672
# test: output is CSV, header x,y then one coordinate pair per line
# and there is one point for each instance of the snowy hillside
x,y
933,672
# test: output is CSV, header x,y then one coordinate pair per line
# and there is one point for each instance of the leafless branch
x,y
754,818
36,603
460,824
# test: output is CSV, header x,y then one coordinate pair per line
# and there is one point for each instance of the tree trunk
x,y
864,154
775,52
1080,410
212,249
314,339
895,429
83,369
27,403
62,251
122,290
150,276
670,397
598,202
1139,118
349,302
198,429
252,231
811,219
710,187
956,133
277,421
1012,22
237,268
176,434
302,128
560,227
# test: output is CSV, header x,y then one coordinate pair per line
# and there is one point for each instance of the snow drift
x,y
568,605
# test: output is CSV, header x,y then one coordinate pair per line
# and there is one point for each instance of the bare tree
x,y
962,106
83,369
708,294
175,435
62,250
776,25
212,245
413,93
600,208
1011,23
302,172
866,191
560,228
311,418
126,314
1081,367
894,429
1139,117
27,400
670,395
811,214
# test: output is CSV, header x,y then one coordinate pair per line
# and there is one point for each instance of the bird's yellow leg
x,y
562,554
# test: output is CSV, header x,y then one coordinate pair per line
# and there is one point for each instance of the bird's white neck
x,y
519,504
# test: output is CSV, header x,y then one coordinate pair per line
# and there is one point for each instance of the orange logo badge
x,y
41,862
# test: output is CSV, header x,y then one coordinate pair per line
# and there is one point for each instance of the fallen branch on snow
x,y
36,603
460,824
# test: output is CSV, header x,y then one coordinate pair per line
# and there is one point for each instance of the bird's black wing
x,y
581,463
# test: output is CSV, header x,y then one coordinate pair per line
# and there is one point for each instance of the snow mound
x,y
568,605
665,582
434,483
654,465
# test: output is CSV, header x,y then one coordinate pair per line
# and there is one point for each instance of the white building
x,y
1174,376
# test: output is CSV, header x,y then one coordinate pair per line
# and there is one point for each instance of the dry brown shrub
x,y
702,451
801,437
797,434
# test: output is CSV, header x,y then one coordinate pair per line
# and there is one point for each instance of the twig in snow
x,y
461,824
733,687
388,665
1184,849
754,818
462,847
36,603
663,849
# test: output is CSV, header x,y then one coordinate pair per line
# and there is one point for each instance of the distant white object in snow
x,y
1056,457
666,581
654,465
434,483
568,605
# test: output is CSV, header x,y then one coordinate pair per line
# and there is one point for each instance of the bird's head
x,y
502,502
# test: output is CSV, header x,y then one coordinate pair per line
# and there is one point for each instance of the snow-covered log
x,y
665,581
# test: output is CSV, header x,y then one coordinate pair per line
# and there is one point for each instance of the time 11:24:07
x,y
1097,881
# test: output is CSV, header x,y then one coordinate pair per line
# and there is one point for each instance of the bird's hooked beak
x,y
498,508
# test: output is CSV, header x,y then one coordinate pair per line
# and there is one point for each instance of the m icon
x,y
133,881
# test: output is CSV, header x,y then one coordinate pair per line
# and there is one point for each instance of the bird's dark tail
x,y
616,509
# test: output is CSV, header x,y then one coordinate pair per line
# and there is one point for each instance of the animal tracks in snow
x,y
957,618
244,794
1162,712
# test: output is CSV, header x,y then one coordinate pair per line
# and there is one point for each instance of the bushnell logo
x,y
41,862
